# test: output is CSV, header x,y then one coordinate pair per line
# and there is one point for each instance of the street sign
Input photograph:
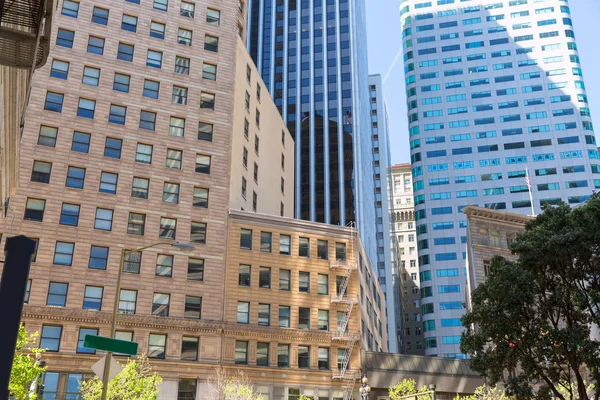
x,y
115,368
108,344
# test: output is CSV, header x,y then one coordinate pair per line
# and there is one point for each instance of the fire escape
x,y
25,27
341,334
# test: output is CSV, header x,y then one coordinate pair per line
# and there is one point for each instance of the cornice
x,y
496,215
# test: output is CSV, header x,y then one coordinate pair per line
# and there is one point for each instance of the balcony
x,y
25,27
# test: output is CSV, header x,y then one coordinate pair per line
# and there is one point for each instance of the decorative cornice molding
x,y
496,215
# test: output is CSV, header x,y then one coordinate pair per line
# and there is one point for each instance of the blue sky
x,y
383,29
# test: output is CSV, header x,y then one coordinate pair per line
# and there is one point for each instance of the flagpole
x,y
528,180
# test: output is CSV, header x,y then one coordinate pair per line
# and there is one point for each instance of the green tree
x,y
408,387
135,382
24,369
225,385
485,393
530,321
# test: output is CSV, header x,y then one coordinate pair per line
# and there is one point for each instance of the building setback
x,y
381,162
494,91
312,57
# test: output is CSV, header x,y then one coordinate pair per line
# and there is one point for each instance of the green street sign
x,y
112,345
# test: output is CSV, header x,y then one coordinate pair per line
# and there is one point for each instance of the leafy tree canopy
x,y
24,369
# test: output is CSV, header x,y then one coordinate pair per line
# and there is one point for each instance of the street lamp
x,y
364,389
113,322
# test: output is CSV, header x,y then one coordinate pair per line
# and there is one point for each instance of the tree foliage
x,y
530,322
24,368
135,382
225,385
408,387
485,393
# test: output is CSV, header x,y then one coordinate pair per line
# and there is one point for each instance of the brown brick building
x,y
145,126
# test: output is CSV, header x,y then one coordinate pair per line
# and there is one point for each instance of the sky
x,y
384,44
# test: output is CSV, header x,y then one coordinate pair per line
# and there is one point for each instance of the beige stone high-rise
x,y
150,124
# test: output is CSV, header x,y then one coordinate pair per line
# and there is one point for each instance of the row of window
x,y
284,317
76,176
186,9
498,5
285,279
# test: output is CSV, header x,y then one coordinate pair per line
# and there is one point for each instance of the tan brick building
x,y
135,134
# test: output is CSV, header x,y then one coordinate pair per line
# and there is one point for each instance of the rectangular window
x,y
284,244
69,214
132,262
129,23
92,298
47,136
171,192
164,265
284,279
193,307
139,188
63,253
243,312
182,65
184,36
112,148
264,278
70,8
187,9
340,251
304,318
202,164
207,101
200,197
95,45
121,83
54,102
323,283
304,282
180,95
198,232
157,30
174,158
50,338
209,71
127,301
108,182
83,332
176,126
136,223
168,228
157,345
151,89
98,257
241,352
323,358
303,357
143,153
211,43
195,270
117,114
262,354
322,250
244,275
284,316
213,16
304,247
160,304
154,59
246,239
161,5
57,294
264,314
189,348
323,321
100,16
41,172
265,242
125,52
147,120
103,219
60,69
65,38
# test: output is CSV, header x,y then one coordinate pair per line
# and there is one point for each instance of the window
x,y
180,95
50,339
189,349
139,188
265,242
57,294
157,346
209,71
127,301
207,101
304,318
285,279
160,305
86,108
129,23
195,269
246,239
200,197
60,69
171,193
264,314
28,286
108,182
100,16
198,233
161,4
340,251
182,65
41,172
213,16
103,220
125,52
136,223
167,228
65,38
54,102
174,158
244,275
257,118
284,316
323,322
132,262
157,30
255,172
322,249
243,312
264,277
112,148
304,282
154,59
95,45
193,307
283,355
187,389
323,284
98,257
304,247
147,120
69,214
202,164
83,332
262,354
211,43
254,201
284,244
91,76
303,357
187,9
164,265
47,136
241,352
117,113
70,8
34,209
143,153
63,253
323,358
243,187
184,37
256,143
151,89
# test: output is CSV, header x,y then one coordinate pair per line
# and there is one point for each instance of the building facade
x,y
381,163
409,326
494,90
312,57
